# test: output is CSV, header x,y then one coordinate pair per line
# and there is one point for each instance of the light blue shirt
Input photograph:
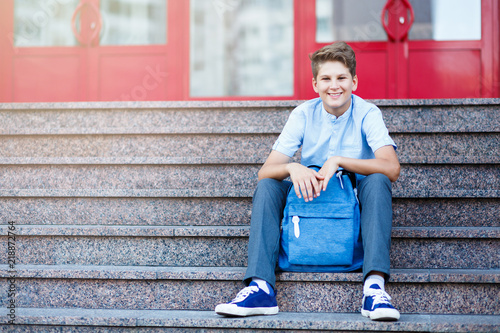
x,y
358,133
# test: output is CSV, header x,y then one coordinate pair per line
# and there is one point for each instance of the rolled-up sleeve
x,y
292,136
375,130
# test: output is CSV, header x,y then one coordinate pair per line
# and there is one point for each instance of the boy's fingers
x,y
297,189
325,182
321,183
309,195
309,187
318,175
317,188
302,188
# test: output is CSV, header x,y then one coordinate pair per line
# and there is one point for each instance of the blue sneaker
x,y
377,305
250,301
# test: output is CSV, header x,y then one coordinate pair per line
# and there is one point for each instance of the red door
x,y
112,50
91,50
413,48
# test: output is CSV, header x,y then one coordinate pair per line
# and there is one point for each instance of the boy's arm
x,y
385,162
278,166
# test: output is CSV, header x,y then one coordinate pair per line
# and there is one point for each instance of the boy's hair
x,y
339,51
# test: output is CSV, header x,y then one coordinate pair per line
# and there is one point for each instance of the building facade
x,y
136,50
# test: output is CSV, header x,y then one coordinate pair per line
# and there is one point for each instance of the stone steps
x,y
228,211
474,292
432,148
135,216
227,180
401,116
225,246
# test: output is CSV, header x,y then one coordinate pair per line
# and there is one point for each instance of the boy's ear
x,y
354,83
315,86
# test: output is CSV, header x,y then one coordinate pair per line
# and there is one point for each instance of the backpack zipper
x,y
296,230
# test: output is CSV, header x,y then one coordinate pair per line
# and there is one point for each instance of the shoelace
x,y
244,293
380,296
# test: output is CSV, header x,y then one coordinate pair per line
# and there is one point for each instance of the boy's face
x,y
335,85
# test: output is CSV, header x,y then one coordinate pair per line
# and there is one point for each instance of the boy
x,y
336,130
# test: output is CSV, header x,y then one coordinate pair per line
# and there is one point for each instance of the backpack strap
x,y
351,175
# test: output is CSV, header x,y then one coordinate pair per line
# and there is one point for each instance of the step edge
x,y
80,272
283,320
238,231
219,130
238,104
218,193
201,160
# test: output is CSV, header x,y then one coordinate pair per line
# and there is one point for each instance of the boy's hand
x,y
307,182
328,170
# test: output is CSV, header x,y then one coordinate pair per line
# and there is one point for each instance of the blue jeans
x,y
375,198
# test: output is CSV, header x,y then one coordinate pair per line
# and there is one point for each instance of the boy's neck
x,y
340,113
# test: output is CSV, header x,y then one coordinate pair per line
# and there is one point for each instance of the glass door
x,y
414,48
130,59
40,58
241,49
91,50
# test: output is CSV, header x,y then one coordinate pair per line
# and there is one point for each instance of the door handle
x,y
405,22
94,26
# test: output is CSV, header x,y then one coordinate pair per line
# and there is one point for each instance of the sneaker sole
x,y
382,314
236,311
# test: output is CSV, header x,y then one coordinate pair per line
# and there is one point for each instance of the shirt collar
x,y
333,118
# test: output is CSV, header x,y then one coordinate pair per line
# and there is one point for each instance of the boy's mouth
x,y
335,95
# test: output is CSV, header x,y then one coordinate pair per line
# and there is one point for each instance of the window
x,y
349,20
241,48
44,23
446,20
134,22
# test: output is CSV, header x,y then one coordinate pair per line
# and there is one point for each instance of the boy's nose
x,y
334,84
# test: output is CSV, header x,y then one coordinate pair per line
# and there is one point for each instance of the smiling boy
x,y
336,130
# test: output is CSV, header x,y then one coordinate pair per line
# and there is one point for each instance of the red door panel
x,y
133,77
444,74
90,71
372,71
39,78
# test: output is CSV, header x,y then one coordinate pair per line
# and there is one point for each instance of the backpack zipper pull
x,y
296,230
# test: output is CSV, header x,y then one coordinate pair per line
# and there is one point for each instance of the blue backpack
x,y
323,235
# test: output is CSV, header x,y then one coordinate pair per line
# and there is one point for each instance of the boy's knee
x,y
374,186
267,183
266,186
377,179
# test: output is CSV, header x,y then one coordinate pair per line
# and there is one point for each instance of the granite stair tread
x,y
413,291
402,116
217,273
178,149
182,320
398,192
225,246
228,231
199,211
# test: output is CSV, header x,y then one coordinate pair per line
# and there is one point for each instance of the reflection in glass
x,y
44,23
446,20
241,48
134,22
349,20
